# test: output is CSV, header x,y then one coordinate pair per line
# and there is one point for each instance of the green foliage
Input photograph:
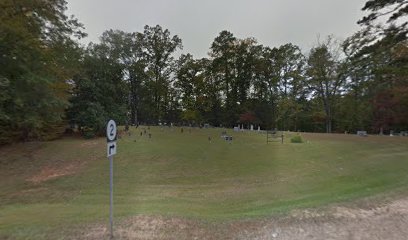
x,y
377,66
47,80
194,92
37,56
93,118
99,93
158,46
191,116
323,77
296,139
88,132
129,76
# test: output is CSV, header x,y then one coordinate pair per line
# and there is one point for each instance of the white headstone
x,y
252,127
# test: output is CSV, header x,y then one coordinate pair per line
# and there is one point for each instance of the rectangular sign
x,y
111,148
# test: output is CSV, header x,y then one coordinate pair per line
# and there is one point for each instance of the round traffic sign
x,y
111,130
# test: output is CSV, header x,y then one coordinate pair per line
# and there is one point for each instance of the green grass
x,y
183,174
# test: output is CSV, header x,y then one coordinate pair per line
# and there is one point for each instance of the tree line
x,y
48,81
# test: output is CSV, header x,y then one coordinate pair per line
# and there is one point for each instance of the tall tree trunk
x,y
133,117
327,110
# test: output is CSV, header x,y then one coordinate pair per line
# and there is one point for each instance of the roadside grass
x,y
47,188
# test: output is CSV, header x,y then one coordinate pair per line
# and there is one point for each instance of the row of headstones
x,y
205,125
241,128
402,133
144,132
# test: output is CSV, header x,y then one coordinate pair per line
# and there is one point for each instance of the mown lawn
x,y
53,186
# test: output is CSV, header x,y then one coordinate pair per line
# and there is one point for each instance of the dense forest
x,y
49,82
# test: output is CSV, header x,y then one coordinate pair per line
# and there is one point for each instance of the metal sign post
x,y
111,133
111,197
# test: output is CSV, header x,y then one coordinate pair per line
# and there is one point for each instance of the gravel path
x,y
386,222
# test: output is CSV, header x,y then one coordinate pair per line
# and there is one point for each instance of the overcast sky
x,y
197,23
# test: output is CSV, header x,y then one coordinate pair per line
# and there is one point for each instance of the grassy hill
x,y
50,187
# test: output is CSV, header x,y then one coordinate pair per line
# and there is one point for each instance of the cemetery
x,y
210,174
199,120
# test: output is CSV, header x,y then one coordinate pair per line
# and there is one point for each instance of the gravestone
x,y
252,127
362,133
228,139
236,129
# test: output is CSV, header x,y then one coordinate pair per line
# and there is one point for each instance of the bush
x,y
91,119
296,139
88,133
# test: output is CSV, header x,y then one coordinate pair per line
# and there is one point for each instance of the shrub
x,y
88,133
296,139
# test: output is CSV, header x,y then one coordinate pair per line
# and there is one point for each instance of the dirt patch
x,y
388,221
156,227
51,172
90,143
29,192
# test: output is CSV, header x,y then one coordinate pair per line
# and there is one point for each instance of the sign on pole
x,y
111,133
111,149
